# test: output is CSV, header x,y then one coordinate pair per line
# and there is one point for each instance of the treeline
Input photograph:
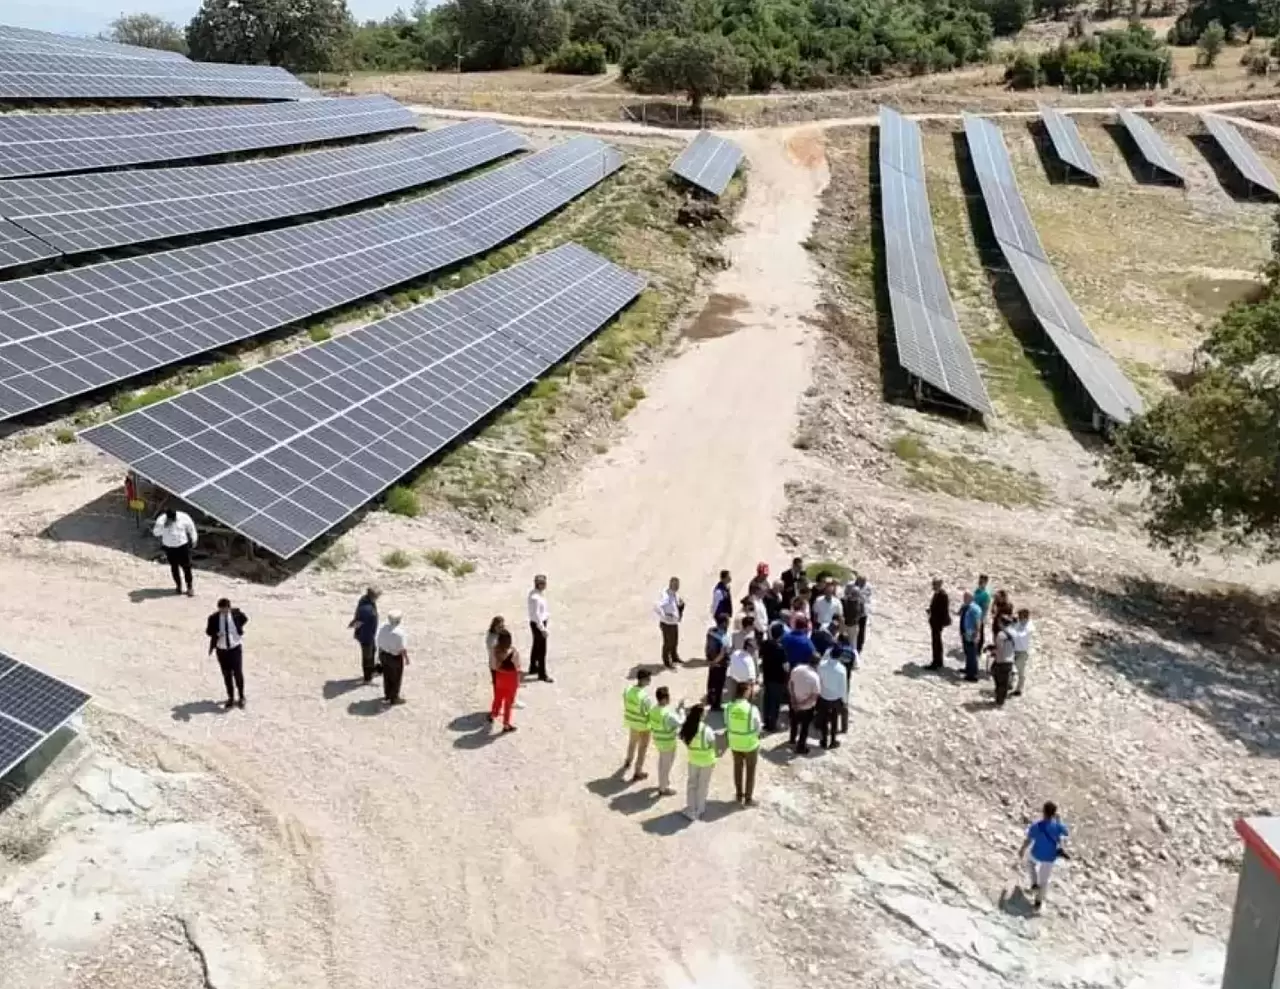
x,y
1238,20
1133,58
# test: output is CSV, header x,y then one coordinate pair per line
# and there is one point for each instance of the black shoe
x,y
191,592
970,679
546,679
368,680
670,666
377,670
678,661
240,703
507,728
802,750
823,744
228,704
1015,693
177,590
934,666
398,701
1035,887
835,744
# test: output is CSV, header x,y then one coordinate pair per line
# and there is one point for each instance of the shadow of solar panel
x,y
1010,220
96,211
1153,148
49,144
708,162
1067,143
1241,153
69,332
33,705
288,450
17,39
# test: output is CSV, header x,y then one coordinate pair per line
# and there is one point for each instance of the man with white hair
x,y
393,656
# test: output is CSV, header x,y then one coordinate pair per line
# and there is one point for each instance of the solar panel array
x,y
708,162
33,705
1106,384
1067,142
70,332
18,39
49,144
286,451
1154,150
19,247
71,214
929,341
1241,154
45,76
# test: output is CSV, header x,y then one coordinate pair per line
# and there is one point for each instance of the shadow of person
x,y
667,824
635,801
470,722
478,739
779,755
336,688
653,669
717,809
367,708
921,671
1014,902
986,704
151,593
609,786
185,712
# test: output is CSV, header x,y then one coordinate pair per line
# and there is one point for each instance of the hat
x,y
394,617
762,569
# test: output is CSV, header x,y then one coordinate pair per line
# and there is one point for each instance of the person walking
x,y
722,597
742,725
393,655
1020,634
365,623
701,743
833,685
225,629
804,688
177,534
1044,840
505,663
774,672
636,707
670,612
939,613
1002,665
664,727
717,655
744,668
539,615
970,635
982,598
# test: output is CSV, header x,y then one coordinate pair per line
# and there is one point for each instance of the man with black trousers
x,y
539,615
939,618
225,629
177,534
365,624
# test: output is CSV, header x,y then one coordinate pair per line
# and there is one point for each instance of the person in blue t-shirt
x,y
1044,839
796,644
970,630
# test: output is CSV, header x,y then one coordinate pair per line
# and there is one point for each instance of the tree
x,y
1007,16
577,58
301,35
699,66
1057,9
1210,43
147,31
598,22
503,34
1023,72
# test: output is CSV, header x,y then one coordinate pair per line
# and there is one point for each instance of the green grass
x,y
837,570
397,559
964,477
208,375
319,334
65,436
403,501
442,559
132,401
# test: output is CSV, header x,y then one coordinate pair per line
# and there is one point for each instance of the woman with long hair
x,y
506,678
496,624
701,742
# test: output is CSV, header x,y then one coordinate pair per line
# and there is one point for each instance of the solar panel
x,y
1153,148
42,76
1241,154
18,39
33,705
286,451
48,144
708,162
1068,143
96,211
19,247
1010,219
929,341
70,332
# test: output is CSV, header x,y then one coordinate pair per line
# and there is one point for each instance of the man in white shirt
x,y
670,611
743,666
225,629
177,533
539,615
827,606
760,612
393,656
833,687
1020,635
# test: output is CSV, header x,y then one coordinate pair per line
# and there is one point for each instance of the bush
x,y
578,58
1023,72
1127,59
1210,44
65,436
397,559
403,501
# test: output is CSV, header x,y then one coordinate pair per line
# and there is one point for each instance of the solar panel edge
x,y
696,150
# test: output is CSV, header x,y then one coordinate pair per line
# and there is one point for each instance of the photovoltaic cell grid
x,y
929,342
49,144
288,450
1107,386
18,39
39,76
1241,154
69,332
19,247
33,705
88,212
708,162
1067,141
1151,145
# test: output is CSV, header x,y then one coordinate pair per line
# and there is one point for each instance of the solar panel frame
x,y
96,211
71,332
1242,155
1154,150
33,706
709,162
367,407
1067,142
34,144
17,39
19,247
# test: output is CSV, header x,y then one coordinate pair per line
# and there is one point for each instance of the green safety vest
x,y
664,733
742,736
702,750
635,708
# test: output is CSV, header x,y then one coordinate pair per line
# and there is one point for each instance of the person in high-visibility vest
x,y
701,741
664,726
636,705
742,725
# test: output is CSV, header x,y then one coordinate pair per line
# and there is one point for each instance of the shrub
x,y
397,559
319,334
830,568
441,559
1210,44
578,58
65,436
403,501
1023,72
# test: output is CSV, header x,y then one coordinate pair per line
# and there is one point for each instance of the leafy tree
x,y
577,58
1231,15
301,35
1007,16
1128,59
147,31
502,34
699,66
1210,43
1057,9
598,22
1024,71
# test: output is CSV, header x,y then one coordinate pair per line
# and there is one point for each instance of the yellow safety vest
x,y
702,750
663,731
635,708
738,718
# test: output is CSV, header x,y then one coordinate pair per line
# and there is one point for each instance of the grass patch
x,y
211,374
32,441
38,476
334,557
837,570
132,401
403,501
442,559
962,477
65,436
319,334
397,559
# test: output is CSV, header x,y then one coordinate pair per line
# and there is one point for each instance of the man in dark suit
x,y
939,618
225,629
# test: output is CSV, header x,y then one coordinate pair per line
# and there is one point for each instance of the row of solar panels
x,y
33,706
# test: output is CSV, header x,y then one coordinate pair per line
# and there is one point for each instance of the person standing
x,y
939,618
826,606
833,685
393,655
759,610
848,657
505,663
742,725
1044,840
792,577
539,615
1002,665
497,625
225,629
717,655
177,534
970,635
744,668
664,727
982,598
636,707
722,597
774,602
865,594
670,611
701,743
774,671
1020,634
365,624
804,688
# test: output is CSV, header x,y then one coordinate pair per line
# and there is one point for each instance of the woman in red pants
x,y
506,679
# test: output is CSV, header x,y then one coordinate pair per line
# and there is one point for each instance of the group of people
x,y
1009,648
